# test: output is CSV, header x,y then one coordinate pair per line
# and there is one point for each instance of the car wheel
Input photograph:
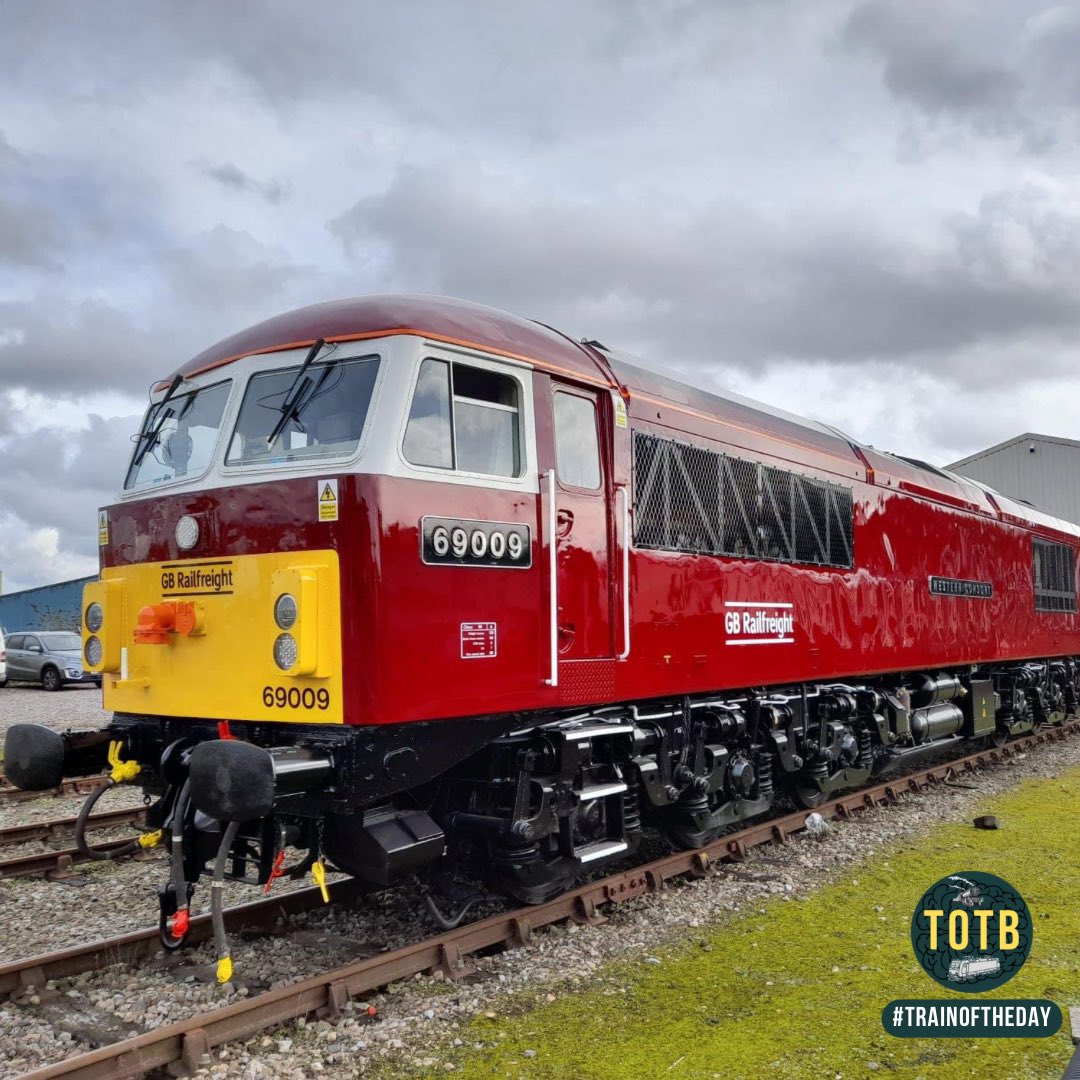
x,y
50,679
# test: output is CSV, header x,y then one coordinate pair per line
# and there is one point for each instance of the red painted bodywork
x,y
402,618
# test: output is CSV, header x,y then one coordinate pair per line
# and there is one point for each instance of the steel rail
x,y
76,785
255,917
190,1042
54,864
58,828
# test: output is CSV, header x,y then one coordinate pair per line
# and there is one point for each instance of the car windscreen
x,y
177,436
319,415
57,642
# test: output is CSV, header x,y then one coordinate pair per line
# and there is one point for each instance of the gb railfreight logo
x,y
971,932
750,622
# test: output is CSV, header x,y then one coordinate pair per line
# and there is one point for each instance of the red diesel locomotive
x,y
410,584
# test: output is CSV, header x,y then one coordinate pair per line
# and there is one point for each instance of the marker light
x,y
285,651
285,611
187,532
103,624
93,650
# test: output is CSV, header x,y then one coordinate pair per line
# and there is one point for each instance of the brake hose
x,y
217,914
80,829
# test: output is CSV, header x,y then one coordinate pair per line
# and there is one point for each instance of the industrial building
x,y
1042,470
50,607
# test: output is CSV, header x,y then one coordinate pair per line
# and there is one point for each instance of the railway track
x,y
188,1044
62,828
76,785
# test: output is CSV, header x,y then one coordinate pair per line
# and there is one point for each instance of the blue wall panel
x,y
51,607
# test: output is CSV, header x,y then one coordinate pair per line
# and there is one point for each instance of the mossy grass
x,y
796,987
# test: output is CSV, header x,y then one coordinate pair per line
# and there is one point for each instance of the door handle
x,y
564,522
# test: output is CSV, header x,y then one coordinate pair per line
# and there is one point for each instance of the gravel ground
x,y
417,1019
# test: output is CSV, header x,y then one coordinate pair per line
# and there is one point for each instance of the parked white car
x,y
3,661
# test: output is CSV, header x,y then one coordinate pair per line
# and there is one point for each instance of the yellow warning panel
x,y
221,653
102,528
328,499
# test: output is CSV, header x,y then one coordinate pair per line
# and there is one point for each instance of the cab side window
x,y
465,418
577,444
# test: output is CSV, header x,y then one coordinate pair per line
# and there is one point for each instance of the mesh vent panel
x,y
701,502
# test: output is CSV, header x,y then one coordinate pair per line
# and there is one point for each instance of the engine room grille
x,y
701,502
1054,570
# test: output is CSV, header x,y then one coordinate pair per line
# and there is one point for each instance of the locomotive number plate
x,y
460,542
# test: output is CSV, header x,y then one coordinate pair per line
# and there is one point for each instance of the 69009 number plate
x,y
460,542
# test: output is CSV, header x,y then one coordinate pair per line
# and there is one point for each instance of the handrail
x,y
624,525
553,572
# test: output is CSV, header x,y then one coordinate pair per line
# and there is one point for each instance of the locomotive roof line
x,y
463,323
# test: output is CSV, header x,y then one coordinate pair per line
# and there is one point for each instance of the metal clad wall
x,y
1048,478
51,607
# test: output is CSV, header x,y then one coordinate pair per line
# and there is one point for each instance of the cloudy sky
x,y
867,212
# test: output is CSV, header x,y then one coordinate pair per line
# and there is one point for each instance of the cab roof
x,y
455,322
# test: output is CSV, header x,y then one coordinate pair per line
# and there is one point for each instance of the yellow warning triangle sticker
x,y
327,495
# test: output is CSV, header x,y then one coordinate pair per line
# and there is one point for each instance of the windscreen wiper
x,y
290,406
150,436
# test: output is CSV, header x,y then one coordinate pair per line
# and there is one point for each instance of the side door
x,y
15,662
33,656
582,523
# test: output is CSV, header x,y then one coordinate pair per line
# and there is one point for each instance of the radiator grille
x,y
1054,571
701,502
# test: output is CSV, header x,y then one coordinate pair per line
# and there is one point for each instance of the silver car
x,y
50,657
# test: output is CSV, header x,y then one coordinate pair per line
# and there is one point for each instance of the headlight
x,y
187,532
285,612
93,649
94,618
285,651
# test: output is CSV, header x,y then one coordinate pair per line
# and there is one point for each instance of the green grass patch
x,y
796,987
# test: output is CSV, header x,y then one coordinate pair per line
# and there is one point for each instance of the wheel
x,y
997,738
808,795
50,679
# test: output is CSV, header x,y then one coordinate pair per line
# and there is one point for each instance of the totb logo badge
x,y
971,932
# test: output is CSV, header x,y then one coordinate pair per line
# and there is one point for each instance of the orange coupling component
x,y
155,623
223,731
190,618
275,870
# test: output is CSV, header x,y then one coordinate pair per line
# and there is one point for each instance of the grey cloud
x,y
730,286
231,176
924,65
229,277
216,283
31,234
57,477
996,68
